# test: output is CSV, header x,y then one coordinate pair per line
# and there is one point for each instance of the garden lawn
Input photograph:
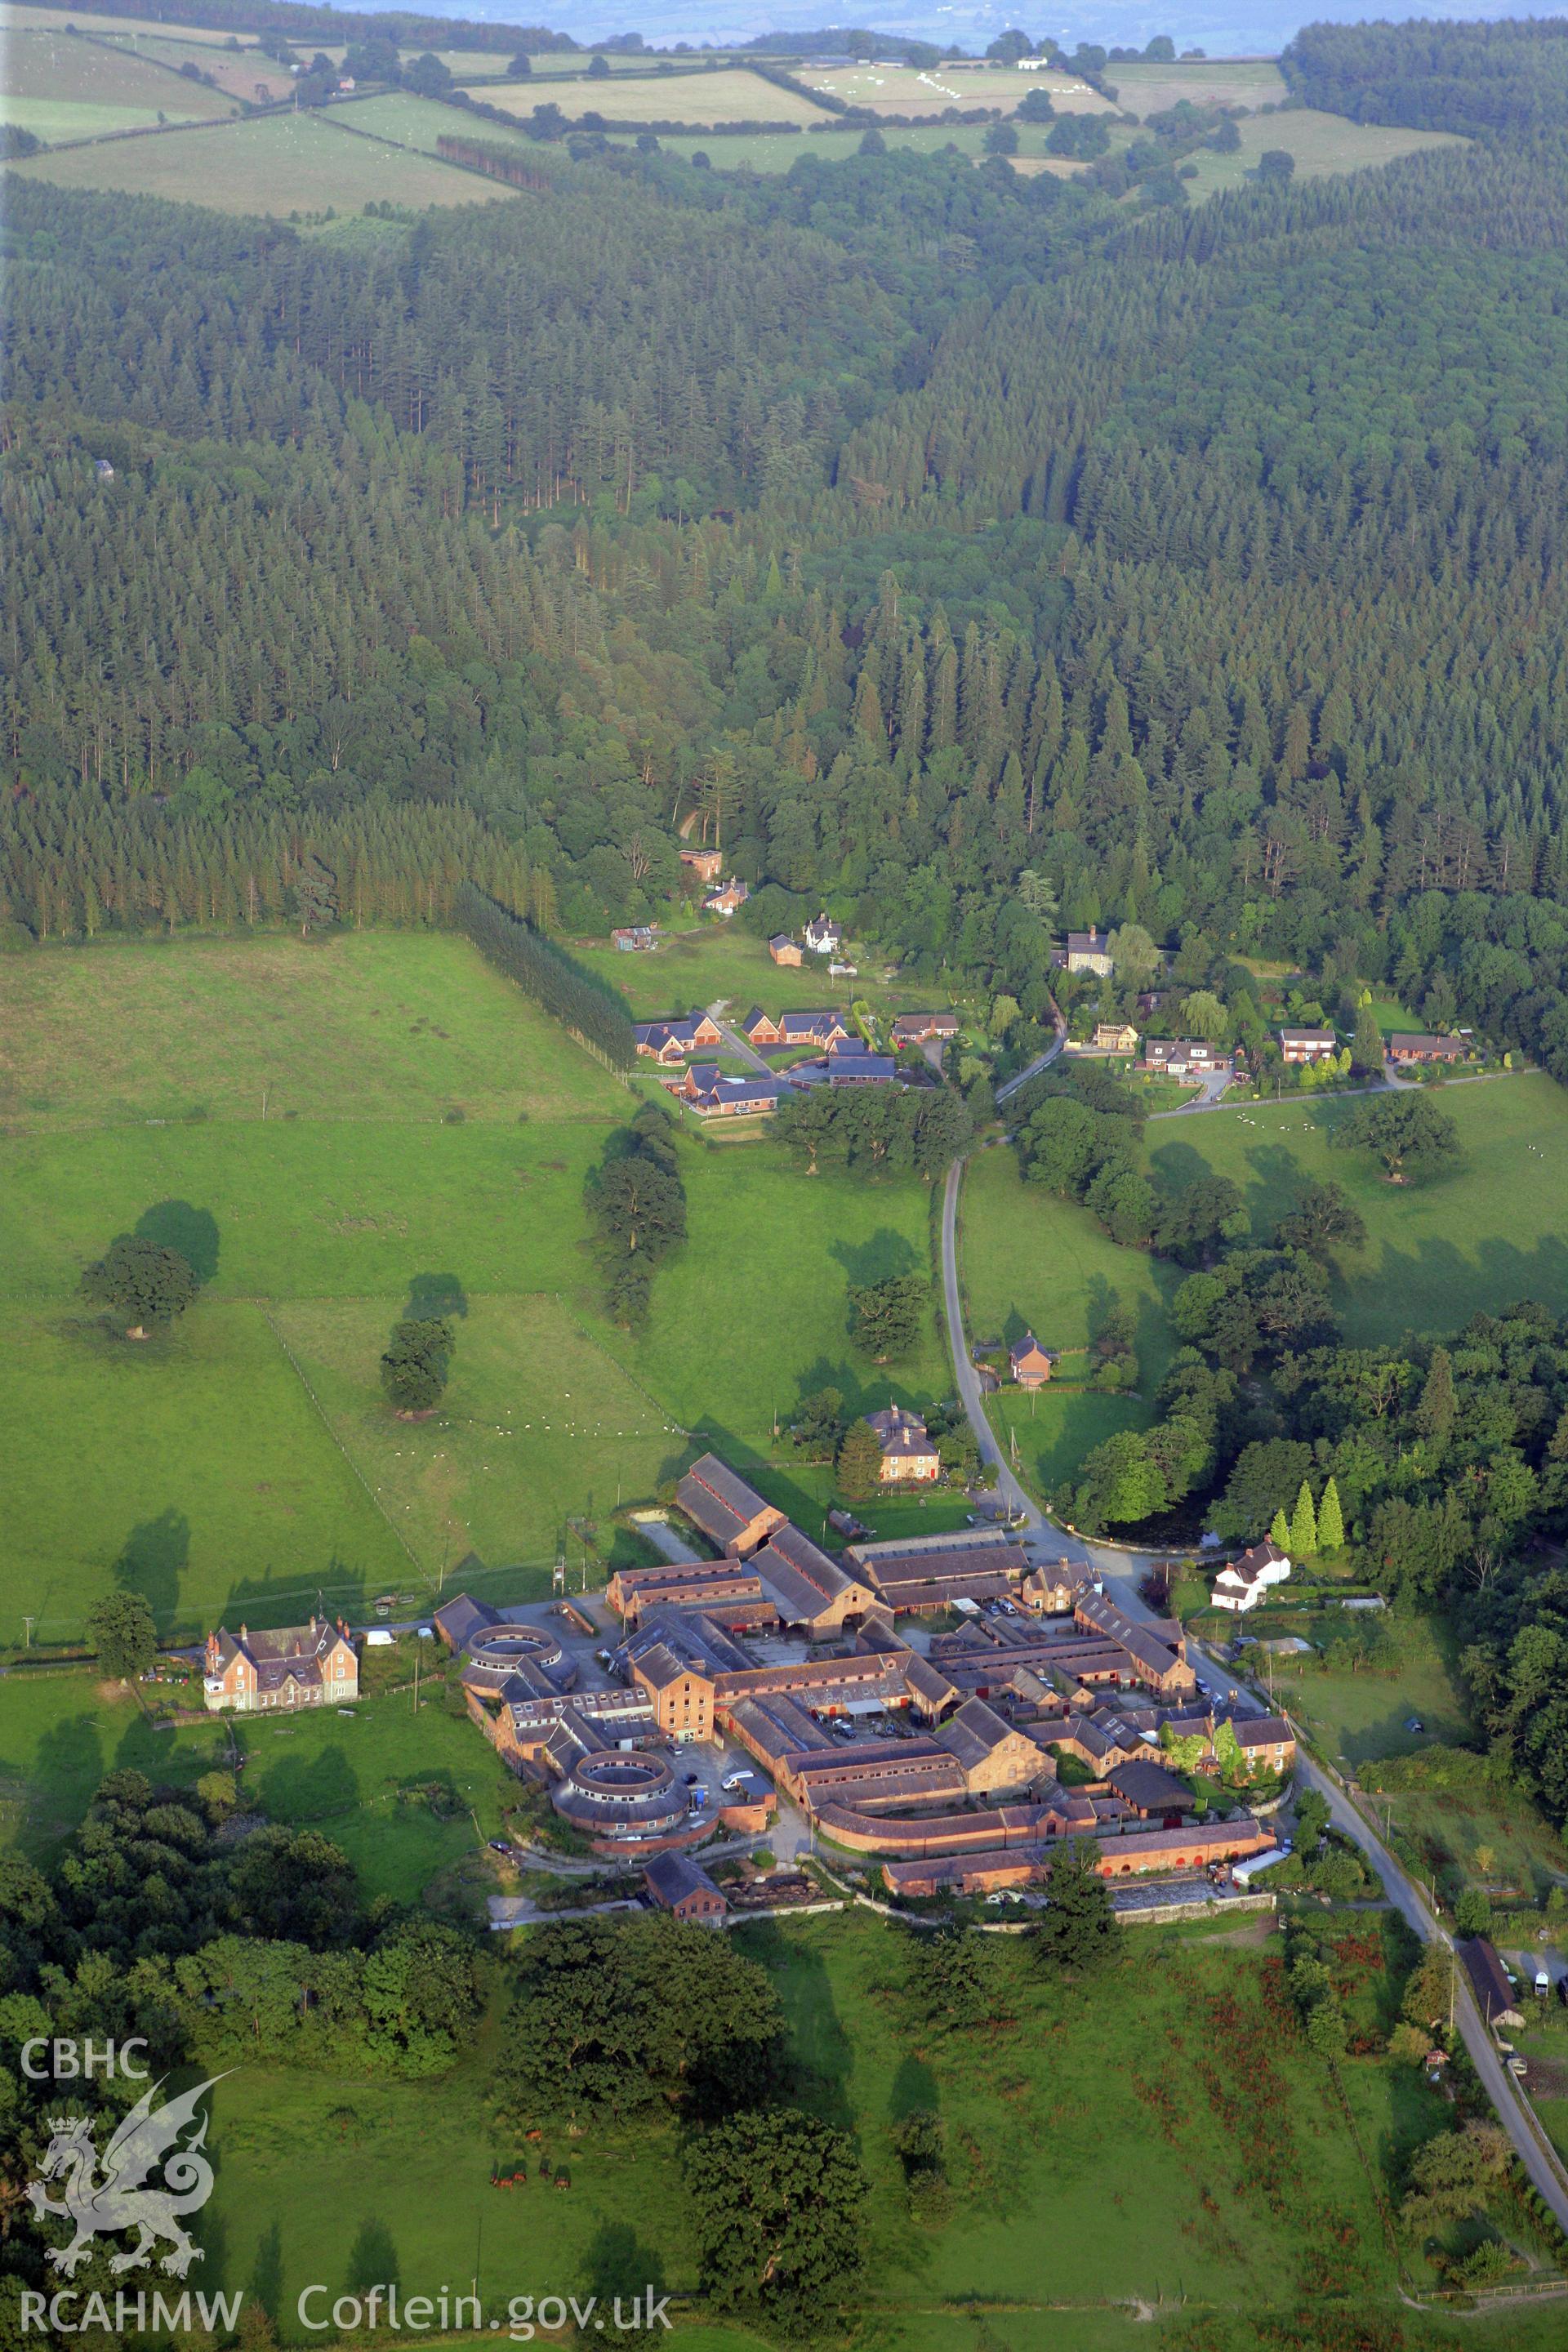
x,y
696,968
1029,1261
1439,1252
1357,1717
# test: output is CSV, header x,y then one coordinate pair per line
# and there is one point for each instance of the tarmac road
x,y
1121,1571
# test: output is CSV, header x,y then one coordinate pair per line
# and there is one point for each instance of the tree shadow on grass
x,y
619,2266
819,2046
304,1789
267,2274
194,1233
155,1556
342,1590
433,1297
885,1253
373,2258
914,2087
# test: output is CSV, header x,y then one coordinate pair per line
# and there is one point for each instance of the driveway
x,y
735,1041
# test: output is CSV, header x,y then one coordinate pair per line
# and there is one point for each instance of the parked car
x,y
1517,2066
500,1845
1414,1723
1562,1990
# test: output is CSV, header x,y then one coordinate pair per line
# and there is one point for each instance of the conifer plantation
x,y
927,526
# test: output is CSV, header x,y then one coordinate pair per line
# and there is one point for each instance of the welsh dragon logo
x,y
110,2194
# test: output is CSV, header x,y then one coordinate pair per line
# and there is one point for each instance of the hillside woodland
x,y
976,554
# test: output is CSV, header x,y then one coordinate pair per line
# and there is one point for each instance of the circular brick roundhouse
x,y
629,1796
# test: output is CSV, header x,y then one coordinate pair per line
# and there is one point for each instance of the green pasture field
x,y
238,74
554,64
400,1025
775,150
1321,144
60,88
754,1312
1029,1261
1438,1253
730,95
15,15
695,968
195,1473
538,1422
275,165
245,1462
907,89
1145,90
406,121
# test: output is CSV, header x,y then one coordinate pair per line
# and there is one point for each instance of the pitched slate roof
x,y
672,1877
290,1653
975,1732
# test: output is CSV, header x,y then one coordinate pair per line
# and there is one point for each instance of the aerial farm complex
x,y
939,1707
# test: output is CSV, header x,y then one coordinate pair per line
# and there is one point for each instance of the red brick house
x,y
1029,1364
758,1028
1406,1049
786,950
680,1885
279,1672
706,864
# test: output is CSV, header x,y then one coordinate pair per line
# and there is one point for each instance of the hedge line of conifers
x,y
560,988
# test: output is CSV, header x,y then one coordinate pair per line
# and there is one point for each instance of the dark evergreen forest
x,y
974,553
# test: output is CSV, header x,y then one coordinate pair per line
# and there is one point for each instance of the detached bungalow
x,y
848,1066
671,1040
920,1028
1413,1047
